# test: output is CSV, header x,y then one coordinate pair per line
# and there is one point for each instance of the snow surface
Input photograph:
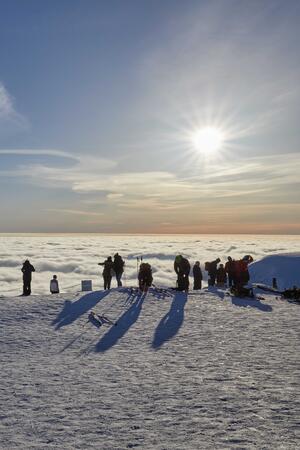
x,y
284,267
74,257
203,372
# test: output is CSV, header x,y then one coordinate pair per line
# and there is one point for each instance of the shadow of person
x,y
252,302
217,291
115,333
73,310
170,324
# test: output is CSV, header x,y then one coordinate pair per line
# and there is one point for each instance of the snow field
x,y
203,372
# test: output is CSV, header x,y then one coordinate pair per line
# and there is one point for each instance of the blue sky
x,y
99,103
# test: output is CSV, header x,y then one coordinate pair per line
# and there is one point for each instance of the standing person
x,y
197,276
230,270
212,271
221,276
244,272
27,270
118,267
182,267
107,271
54,288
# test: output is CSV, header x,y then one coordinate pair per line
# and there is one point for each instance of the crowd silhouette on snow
x,y
234,274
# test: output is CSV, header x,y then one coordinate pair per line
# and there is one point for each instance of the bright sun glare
x,y
208,140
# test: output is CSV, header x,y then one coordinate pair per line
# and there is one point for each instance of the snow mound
x,y
285,267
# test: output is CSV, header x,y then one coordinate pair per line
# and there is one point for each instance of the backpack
x,y
145,269
207,266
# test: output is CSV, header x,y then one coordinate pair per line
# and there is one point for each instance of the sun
x,y
207,140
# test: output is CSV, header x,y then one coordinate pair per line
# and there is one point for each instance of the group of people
x,y
112,267
234,274
27,270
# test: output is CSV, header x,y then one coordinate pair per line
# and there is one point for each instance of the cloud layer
x,y
74,258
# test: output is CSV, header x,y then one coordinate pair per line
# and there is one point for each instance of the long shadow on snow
x,y
170,324
73,310
217,291
254,303
115,333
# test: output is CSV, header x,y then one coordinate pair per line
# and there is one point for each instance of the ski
x,y
99,320
266,288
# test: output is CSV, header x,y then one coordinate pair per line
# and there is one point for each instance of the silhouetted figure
x,y
107,271
27,270
145,277
197,276
182,268
229,268
242,270
221,276
212,271
118,267
54,288
241,275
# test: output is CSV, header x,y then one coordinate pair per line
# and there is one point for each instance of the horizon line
x,y
62,233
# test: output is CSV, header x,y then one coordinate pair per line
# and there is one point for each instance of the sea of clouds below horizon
x,y
76,257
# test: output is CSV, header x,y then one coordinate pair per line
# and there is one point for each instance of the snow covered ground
x,y
205,371
75,257
284,267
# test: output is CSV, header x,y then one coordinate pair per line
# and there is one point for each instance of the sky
x,y
102,105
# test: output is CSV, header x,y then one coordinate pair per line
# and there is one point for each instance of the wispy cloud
x,y
7,108
75,212
248,178
6,103
38,152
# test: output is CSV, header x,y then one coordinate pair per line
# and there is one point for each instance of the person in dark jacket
x,y
230,270
27,270
182,267
118,267
197,273
107,271
221,276
212,272
145,277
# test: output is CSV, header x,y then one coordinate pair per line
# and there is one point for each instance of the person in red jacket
x,y
241,271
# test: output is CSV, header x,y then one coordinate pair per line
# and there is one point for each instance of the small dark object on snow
x,y
241,291
292,294
99,320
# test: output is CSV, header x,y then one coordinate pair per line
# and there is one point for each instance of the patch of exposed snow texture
x,y
75,257
204,372
284,267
